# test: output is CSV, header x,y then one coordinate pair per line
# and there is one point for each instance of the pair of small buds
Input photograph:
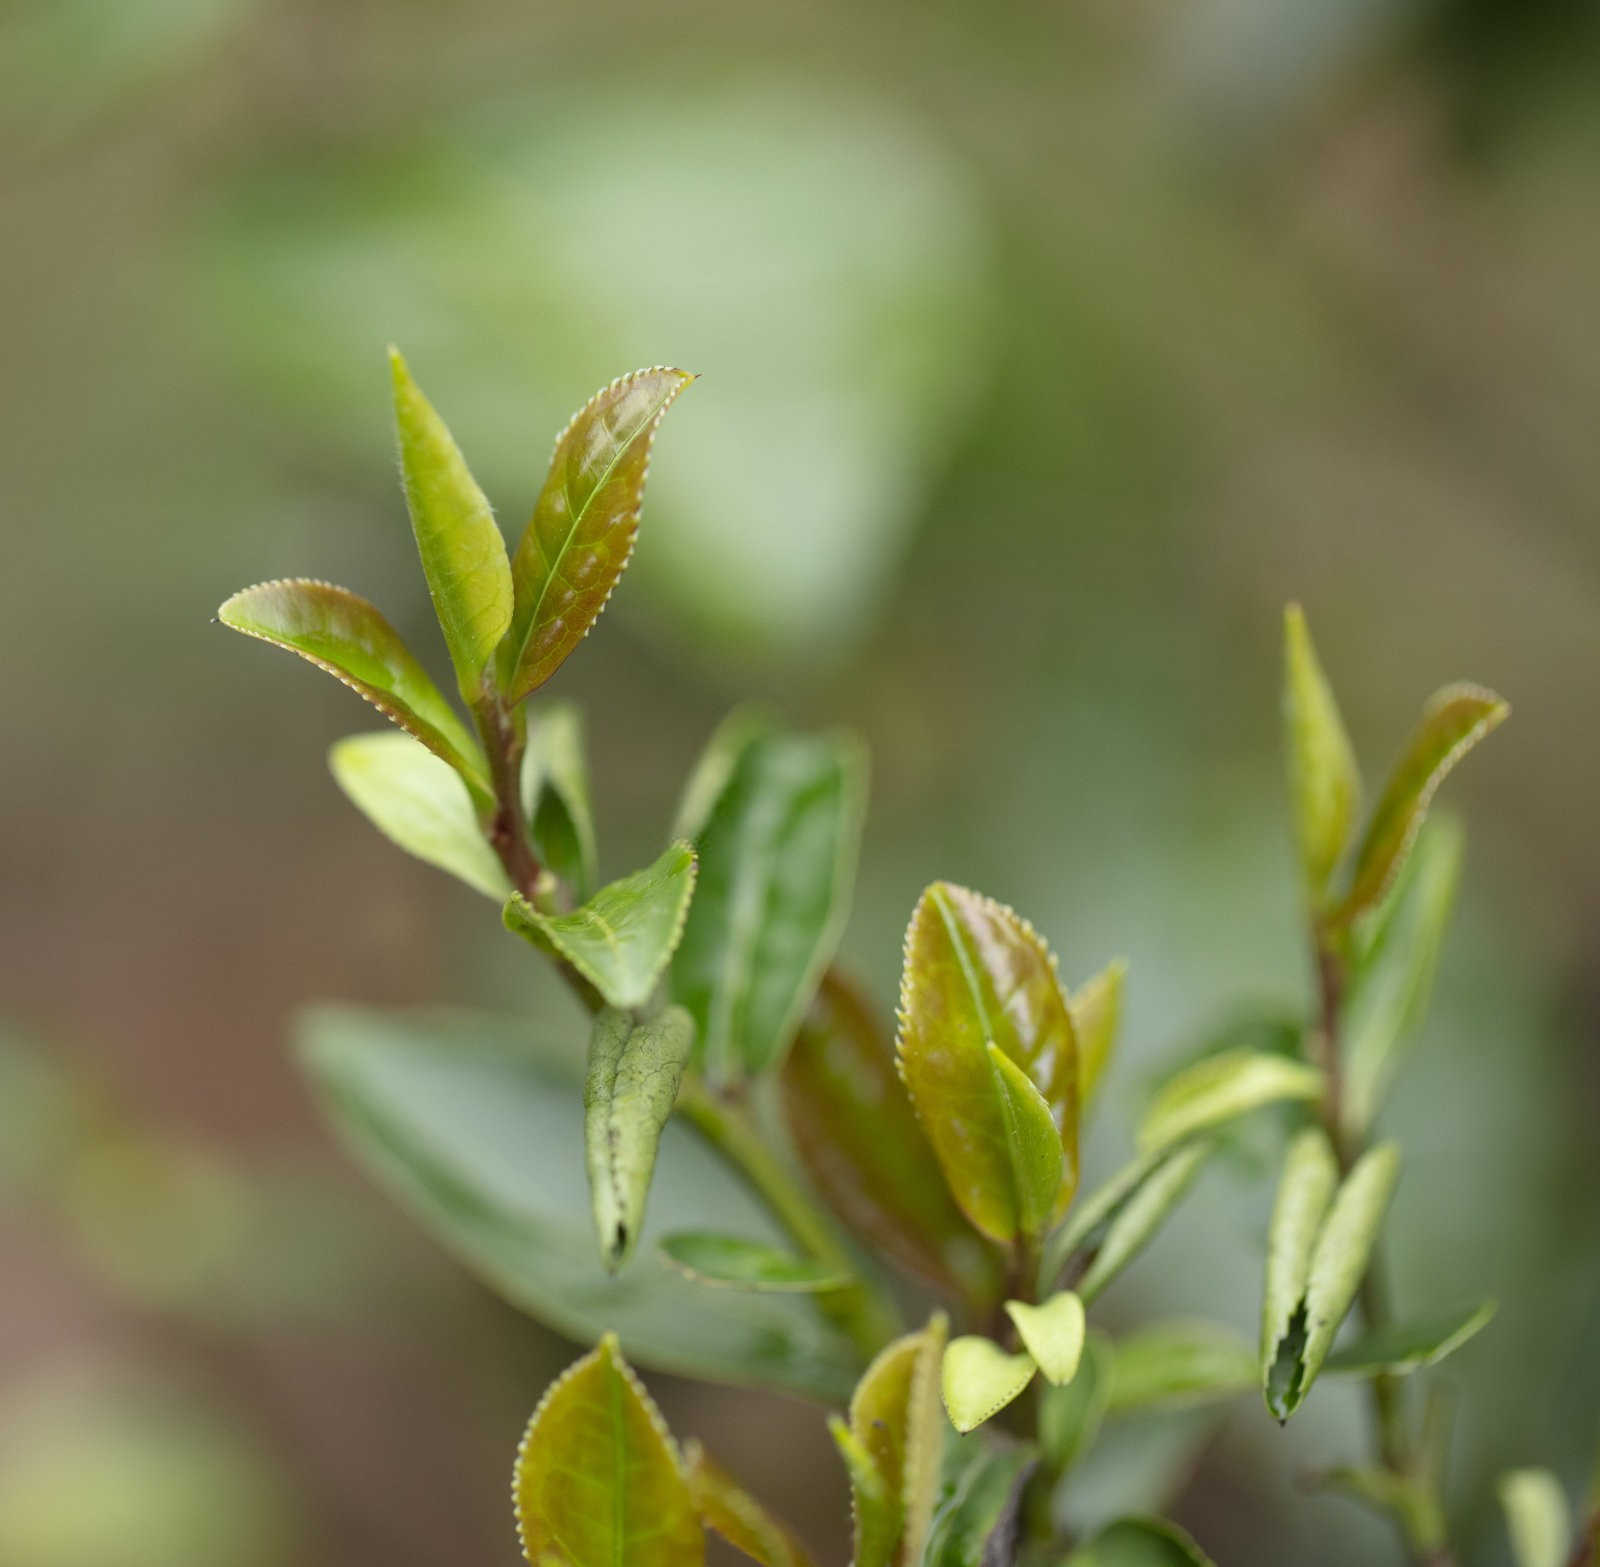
x,y
979,1378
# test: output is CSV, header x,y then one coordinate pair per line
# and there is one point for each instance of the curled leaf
x,y
726,1260
1032,1142
1306,1187
584,523
1052,1333
1220,1088
597,1480
978,1379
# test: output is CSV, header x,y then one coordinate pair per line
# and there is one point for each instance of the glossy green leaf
x,y
1147,1208
342,633
853,1127
1388,995
1176,1364
713,771
976,1524
978,974
777,864
463,554
726,1507
476,1127
622,938
1038,1165
1220,1088
876,1510
1454,720
1140,1542
597,1480
1324,780
1305,1189
978,1379
732,1263
1052,1333
1537,1517
583,525
895,1418
632,1084
1096,1008
1070,1415
420,803
555,796
1403,1347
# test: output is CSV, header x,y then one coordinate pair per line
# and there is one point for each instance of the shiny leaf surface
x,y
1537,1517
1146,1209
597,1480
1176,1364
1140,1542
1324,780
342,633
555,796
1096,1008
1221,1088
1454,720
1033,1143
463,554
1052,1333
631,1086
777,864
726,1507
584,523
623,937
1305,1189
978,1379
1403,1347
732,1263
420,803
852,1124
976,973
476,1127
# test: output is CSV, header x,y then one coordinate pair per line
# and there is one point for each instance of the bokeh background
x,y
1046,350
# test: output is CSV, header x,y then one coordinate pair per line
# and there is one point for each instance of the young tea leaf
x,y
1537,1517
977,974
1220,1088
634,1072
1454,720
1032,1143
597,1480
732,1263
583,525
1403,1347
855,1131
1096,1008
463,554
1305,1189
1052,1333
1142,1214
978,1379
876,1509
777,863
623,937
1324,781
342,633
420,803
555,796
726,1507
1140,1542
1172,1365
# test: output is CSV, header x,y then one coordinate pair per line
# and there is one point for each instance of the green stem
x,y
862,1311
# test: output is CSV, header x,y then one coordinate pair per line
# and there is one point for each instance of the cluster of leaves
x,y
757,1144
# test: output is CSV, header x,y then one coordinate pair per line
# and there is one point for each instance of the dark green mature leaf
x,y
1147,1207
976,1524
725,1506
1070,1415
1324,780
1052,1333
477,1128
623,937
713,771
1096,1008
978,1379
1454,720
1305,1189
777,863
1140,1542
1220,1088
1404,1347
555,796
1389,992
632,1084
1537,1517
977,974
597,1480
420,803
855,1131
342,633
583,525
732,1263
1175,1364
463,555
896,1424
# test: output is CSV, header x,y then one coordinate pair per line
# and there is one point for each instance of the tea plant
x,y
758,1146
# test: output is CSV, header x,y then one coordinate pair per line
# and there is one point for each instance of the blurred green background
x,y
1045,352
